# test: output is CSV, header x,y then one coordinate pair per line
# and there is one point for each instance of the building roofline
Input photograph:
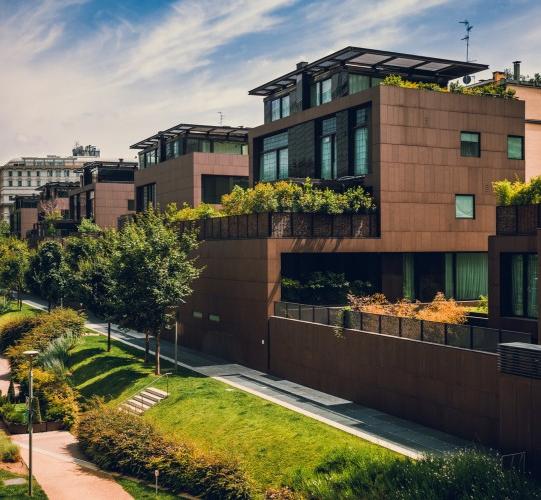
x,y
380,60
221,131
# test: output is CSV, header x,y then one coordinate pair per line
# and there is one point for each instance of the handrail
x,y
146,387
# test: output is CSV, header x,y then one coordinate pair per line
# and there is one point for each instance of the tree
x,y
11,392
48,272
14,266
5,229
87,226
152,272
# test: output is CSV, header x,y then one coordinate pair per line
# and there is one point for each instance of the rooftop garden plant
x,y
490,89
518,192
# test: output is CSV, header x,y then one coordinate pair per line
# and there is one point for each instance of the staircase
x,y
143,400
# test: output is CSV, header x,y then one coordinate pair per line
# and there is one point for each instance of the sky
x,y
113,73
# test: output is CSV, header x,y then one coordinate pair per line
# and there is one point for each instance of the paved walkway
x,y
5,376
62,472
397,434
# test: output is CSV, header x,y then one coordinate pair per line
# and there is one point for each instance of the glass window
x,y
515,147
57,173
274,160
471,275
357,83
244,150
19,173
213,187
10,173
361,151
326,91
275,141
10,183
49,173
374,82
232,148
268,166
19,183
470,144
519,285
146,195
285,106
283,167
326,157
275,109
38,173
176,148
28,173
29,182
465,206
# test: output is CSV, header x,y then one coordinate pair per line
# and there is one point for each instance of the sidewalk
x,y
403,436
61,471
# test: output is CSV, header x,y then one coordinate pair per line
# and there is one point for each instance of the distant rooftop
x,y
376,61
58,184
204,131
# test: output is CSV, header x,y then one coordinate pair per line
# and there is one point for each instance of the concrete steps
x,y
143,400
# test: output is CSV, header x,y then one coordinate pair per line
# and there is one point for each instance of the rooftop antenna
x,y
468,27
221,118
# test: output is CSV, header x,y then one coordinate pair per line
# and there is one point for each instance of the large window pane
x,y
328,126
532,286
275,141
284,163
471,275
515,147
285,106
361,151
326,91
517,285
408,273
326,157
470,144
357,83
268,166
464,206
228,147
275,109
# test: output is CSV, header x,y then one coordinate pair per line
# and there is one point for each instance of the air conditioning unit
x,y
521,359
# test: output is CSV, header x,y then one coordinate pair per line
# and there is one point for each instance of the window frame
x,y
470,195
278,152
506,287
334,159
478,134
522,146
354,128
280,107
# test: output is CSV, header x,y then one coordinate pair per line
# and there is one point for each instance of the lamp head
x,y
31,353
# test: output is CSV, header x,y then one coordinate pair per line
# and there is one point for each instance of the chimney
x,y
497,76
516,70
301,64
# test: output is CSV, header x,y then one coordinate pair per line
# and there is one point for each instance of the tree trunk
x,y
157,370
19,300
49,305
147,346
108,336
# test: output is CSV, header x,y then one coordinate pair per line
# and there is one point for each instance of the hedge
x,y
14,329
121,442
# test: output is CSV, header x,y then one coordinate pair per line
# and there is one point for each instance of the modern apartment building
x,y
105,192
23,214
22,176
190,164
428,158
529,91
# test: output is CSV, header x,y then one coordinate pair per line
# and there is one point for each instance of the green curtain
x,y
517,284
532,286
408,272
471,275
449,276
357,83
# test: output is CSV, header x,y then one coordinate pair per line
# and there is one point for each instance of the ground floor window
x,y
519,273
145,196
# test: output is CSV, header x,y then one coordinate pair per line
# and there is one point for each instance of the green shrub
x,y
16,413
517,192
462,475
202,211
9,452
14,329
121,442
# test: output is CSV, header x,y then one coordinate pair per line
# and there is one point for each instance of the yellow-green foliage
x,y
490,89
202,211
517,192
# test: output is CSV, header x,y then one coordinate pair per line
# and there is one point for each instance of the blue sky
x,y
111,73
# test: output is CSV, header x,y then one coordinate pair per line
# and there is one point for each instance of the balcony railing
x,y
286,225
467,336
518,219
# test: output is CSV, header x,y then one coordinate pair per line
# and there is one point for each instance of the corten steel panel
x,y
509,244
404,377
111,201
178,180
29,216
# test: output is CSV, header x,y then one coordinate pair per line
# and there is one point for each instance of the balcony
x,y
518,219
286,225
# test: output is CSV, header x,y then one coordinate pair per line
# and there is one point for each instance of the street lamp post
x,y
30,355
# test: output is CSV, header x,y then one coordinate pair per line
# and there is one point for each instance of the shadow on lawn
x,y
100,365
77,357
111,386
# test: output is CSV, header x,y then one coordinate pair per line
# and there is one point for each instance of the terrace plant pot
x,y
252,225
224,229
390,325
411,328
506,219
243,226
301,225
263,225
322,225
360,225
434,332
281,225
233,226
527,219
341,226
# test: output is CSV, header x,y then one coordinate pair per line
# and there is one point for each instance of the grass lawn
x,y
19,491
143,491
271,442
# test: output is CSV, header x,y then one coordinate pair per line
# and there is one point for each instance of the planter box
x,y
281,225
263,225
506,219
252,225
224,230
370,322
200,225
411,328
243,226
234,226
434,332
216,228
208,228
360,225
322,225
352,320
341,226
390,325
458,336
302,225
16,428
527,219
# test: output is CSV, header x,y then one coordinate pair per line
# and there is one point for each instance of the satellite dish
x,y
466,79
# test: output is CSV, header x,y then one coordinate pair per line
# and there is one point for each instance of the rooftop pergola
x,y
377,62
203,131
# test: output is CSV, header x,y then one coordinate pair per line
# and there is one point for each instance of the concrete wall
x,y
446,388
178,180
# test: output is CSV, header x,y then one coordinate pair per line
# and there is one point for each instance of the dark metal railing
x,y
467,336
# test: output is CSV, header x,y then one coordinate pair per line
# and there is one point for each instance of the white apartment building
x,y
21,176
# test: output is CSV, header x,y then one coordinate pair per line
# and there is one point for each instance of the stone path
x,y
403,436
5,376
62,472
